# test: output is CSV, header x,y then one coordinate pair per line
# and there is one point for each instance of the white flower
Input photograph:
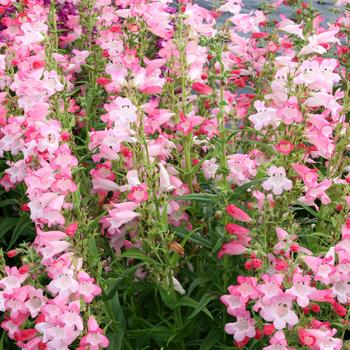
x,y
277,181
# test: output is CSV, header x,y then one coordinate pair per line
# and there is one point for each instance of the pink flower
x,y
237,230
301,289
309,176
63,286
234,247
202,89
242,168
279,311
30,35
285,147
233,302
87,287
237,213
265,116
95,339
278,342
322,268
119,216
243,327
50,243
277,181
290,112
138,194
210,168
290,27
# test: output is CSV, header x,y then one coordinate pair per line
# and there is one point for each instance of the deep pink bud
x,y
71,229
237,213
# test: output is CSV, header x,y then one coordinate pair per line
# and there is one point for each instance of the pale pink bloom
x,y
35,301
138,194
63,286
78,60
71,320
328,36
50,136
277,181
278,342
247,288
324,339
200,20
47,208
118,73
52,82
322,268
341,291
243,327
158,20
242,168
318,191
271,288
234,247
343,250
10,327
232,6
210,168
301,289
121,112
290,112
327,67
233,302
265,116
164,179
309,176
248,22
279,311
14,303
15,277
88,289
312,47
17,171
30,35
290,27
342,2
308,72
119,216
50,243
95,339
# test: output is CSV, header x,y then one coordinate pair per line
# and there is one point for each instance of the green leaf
x,y
307,208
192,236
134,253
2,341
198,306
240,190
116,313
7,202
93,255
114,283
21,227
199,197
211,339
6,224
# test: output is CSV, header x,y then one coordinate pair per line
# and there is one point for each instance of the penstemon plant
x,y
174,177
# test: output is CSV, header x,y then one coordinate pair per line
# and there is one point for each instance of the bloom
x,y
237,213
277,181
